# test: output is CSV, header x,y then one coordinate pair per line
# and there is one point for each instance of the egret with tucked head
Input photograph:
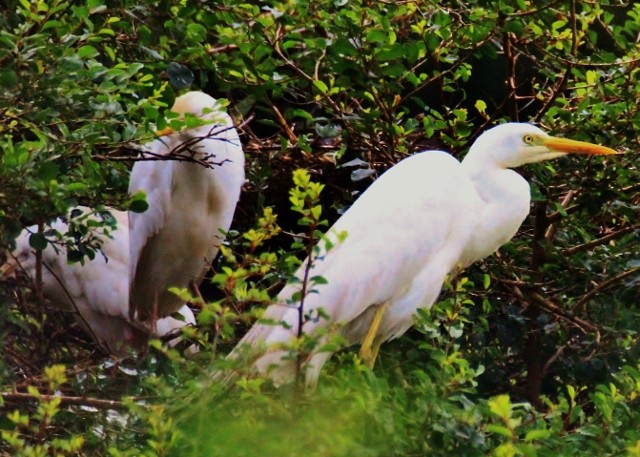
x,y
191,205
426,217
97,291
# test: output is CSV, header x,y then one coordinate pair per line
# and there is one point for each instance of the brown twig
x,y
561,312
600,241
292,137
514,282
557,311
177,153
604,285
73,303
532,348
510,58
275,45
551,230
560,84
23,361
222,49
65,400
300,357
554,217
551,360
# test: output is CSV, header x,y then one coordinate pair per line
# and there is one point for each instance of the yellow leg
x,y
371,343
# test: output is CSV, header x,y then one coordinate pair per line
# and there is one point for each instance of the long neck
x,y
506,197
492,181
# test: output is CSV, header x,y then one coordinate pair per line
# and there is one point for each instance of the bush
x,y
532,352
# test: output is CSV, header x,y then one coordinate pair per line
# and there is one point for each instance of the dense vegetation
x,y
535,352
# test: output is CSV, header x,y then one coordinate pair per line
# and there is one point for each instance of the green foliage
x,y
534,352
70,99
26,437
426,403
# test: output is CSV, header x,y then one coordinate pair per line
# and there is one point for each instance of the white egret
x,y
190,206
97,290
426,217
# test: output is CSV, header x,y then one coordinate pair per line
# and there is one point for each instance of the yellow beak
x,y
576,147
165,131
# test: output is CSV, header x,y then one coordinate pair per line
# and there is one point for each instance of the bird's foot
x,y
372,341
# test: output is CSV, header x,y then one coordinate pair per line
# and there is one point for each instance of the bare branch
x,y
558,311
551,229
604,285
221,49
177,153
292,137
551,360
600,241
65,400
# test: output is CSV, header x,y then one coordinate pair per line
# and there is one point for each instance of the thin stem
x,y
604,285
304,291
600,241
65,400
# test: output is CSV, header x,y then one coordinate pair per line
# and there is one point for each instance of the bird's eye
x,y
528,139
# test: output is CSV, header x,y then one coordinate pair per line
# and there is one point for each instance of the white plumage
x,y
424,218
190,205
97,290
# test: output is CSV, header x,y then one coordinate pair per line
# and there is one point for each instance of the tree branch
x,y
65,400
140,154
600,241
604,285
551,230
564,314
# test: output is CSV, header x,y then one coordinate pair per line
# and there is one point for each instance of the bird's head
x,y
514,144
196,103
21,258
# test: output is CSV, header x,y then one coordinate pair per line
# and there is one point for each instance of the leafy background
x,y
536,350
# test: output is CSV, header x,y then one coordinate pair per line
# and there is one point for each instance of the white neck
x,y
506,195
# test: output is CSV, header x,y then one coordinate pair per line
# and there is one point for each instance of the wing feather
x,y
155,181
397,234
98,289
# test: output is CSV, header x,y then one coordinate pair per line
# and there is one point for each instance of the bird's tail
x,y
273,348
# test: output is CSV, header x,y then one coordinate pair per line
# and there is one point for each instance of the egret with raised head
x,y
426,217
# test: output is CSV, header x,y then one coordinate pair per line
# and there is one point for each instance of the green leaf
x,y
138,206
345,47
394,70
180,76
93,4
533,435
318,280
8,78
51,25
197,32
481,106
592,77
74,256
394,52
48,171
377,36
499,429
322,87
77,187
38,241
87,51
500,405
80,12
